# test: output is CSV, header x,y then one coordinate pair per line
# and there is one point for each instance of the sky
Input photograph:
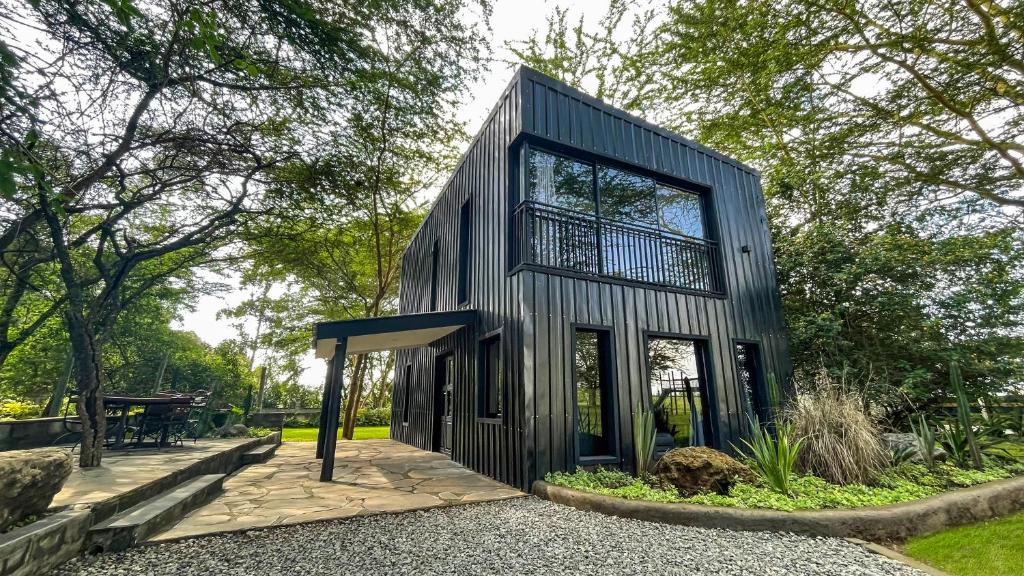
x,y
511,20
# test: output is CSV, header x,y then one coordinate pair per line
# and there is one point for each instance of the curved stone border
x,y
892,523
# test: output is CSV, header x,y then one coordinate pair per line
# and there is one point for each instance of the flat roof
x,y
388,332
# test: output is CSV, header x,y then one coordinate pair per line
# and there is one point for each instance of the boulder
x,y
904,440
699,469
232,431
29,479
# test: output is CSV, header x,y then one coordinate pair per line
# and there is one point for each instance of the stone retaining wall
x,y
31,433
893,523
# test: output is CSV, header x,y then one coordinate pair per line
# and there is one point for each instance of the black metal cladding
x,y
726,295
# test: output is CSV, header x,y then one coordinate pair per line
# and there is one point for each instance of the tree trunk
x,y
88,368
355,391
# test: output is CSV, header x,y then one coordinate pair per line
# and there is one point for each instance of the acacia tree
x,y
889,138
142,135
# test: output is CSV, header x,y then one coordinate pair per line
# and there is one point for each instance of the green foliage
x,y
612,483
17,410
985,549
926,441
259,432
310,434
374,417
775,456
643,439
963,414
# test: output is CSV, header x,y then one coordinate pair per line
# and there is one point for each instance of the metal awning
x,y
334,340
388,332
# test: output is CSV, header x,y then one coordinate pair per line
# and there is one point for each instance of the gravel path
x,y
521,536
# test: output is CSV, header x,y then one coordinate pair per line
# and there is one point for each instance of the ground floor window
x,y
679,392
751,379
492,380
592,375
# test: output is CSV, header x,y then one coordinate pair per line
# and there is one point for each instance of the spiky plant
x,y
774,456
963,414
926,441
643,439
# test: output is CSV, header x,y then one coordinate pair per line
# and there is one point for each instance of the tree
x,y
141,137
889,139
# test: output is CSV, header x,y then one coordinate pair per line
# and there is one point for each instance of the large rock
x,y
698,469
232,431
29,479
907,441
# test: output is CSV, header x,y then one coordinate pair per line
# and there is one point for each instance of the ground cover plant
x,y
309,434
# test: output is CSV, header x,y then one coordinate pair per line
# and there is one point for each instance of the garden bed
x,y
890,523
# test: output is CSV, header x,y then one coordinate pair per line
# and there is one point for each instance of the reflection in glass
x,y
560,181
627,196
749,375
593,411
678,393
681,212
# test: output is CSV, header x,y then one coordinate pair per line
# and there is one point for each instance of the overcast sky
x,y
511,20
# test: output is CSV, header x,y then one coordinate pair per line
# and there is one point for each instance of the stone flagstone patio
x,y
370,476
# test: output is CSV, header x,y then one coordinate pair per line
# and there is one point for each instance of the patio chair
x,y
114,432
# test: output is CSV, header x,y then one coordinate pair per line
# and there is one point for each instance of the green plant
x,y
774,457
963,412
926,441
901,455
643,439
842,443
259,432
774,392
374,416
18,410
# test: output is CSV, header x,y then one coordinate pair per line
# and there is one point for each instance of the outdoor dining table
x,y
122,405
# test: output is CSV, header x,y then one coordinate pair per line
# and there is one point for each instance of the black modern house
x,y
579,264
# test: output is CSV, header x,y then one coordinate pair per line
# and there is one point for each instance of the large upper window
x,y
627,196
561,181
680,212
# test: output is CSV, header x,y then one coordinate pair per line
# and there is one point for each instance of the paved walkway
x,y
370,476
126,470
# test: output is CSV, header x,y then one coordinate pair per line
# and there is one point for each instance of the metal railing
x,y
586,244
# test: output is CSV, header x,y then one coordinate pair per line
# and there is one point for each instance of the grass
x,y
309,434
993,548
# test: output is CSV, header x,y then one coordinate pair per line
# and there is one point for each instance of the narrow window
x,y
464,230
433,277
751,381
408,387
492,378
594,409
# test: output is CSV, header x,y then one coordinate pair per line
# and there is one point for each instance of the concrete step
x,y
259,454
150,517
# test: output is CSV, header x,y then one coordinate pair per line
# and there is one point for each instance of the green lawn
x,y
309,434
993,548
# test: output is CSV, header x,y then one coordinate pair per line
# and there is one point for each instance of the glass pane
x,y
627,196
562,182
677,393
681,212
493,384
748,374
591,404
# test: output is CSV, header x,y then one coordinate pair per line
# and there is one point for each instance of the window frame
x,y
704,355
482,390
407,394
609,387
435,272
465,246
761,381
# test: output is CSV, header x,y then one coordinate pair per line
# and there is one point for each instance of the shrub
x,y
841,442
925,440
643,439
374,417
774,457
17,410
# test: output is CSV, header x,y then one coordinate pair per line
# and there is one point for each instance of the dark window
x,y
626,196
407,395
595,423
561,181
679,397
464,230
681,212
434,263
492,378
751,381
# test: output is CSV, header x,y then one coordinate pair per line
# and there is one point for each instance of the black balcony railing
x,y
585,244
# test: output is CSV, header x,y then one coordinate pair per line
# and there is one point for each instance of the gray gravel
x,y
521,536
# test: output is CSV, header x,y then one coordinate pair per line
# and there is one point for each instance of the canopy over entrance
x,y
334,340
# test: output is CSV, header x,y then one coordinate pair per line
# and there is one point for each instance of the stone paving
x,y
126,470
370,476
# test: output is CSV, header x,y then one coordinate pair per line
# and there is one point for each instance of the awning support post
x,y
324,405
333,412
